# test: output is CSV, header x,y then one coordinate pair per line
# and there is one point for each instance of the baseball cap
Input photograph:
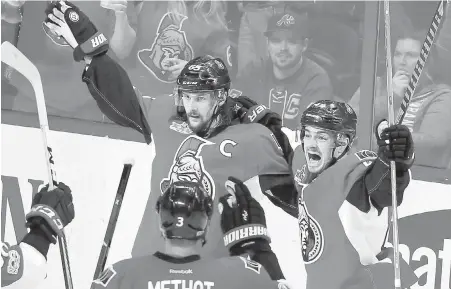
x,y
290,22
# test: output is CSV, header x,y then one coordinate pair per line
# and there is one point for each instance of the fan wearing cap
x,y
288,81
342,196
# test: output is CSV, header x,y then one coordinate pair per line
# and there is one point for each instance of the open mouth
x,y
313,158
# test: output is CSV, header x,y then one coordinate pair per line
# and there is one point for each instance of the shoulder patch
x,y
366,157
251,265
106,276
235,93
181,127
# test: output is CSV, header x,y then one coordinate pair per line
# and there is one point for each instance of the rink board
x,y
91,166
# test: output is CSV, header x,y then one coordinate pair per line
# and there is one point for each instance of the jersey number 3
x,y
179,222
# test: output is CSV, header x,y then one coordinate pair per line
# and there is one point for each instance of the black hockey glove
x,y
90,41
250,111
243,223
243,220
395,144
51,211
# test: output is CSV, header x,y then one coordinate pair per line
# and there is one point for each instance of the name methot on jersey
x,y
181,283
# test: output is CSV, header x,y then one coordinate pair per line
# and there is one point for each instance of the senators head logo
x,y
188,166
170,42
311,235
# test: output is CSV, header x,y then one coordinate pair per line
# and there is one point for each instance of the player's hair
x,y
419,35
211,11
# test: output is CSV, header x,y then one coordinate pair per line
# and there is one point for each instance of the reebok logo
x,y
99,39
181,271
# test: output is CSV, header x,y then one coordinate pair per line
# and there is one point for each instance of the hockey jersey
x,y
163,34
340,230
289,97
246,151
163,271
22,266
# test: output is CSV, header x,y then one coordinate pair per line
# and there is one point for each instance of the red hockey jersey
x,y
161,271
243,151
333,226
289,97
248,152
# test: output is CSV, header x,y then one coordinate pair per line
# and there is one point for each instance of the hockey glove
x,y
64,14
243,220
250,111
51,211
395,144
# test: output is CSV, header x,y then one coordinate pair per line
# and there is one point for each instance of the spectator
x,y
288,82
170,33
65,96
253,23
428,112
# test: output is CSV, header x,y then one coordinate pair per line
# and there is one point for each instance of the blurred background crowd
x,y
284,54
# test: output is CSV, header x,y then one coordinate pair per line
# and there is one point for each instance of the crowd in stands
x,y
283,54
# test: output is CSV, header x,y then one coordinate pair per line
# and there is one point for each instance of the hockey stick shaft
x,y
15,59
112,221
425,51
391,121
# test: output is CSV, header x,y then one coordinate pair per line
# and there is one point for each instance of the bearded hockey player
x,y
185,210
342,195
23,265
198,134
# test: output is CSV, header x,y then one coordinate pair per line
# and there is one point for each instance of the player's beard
x,y
204,126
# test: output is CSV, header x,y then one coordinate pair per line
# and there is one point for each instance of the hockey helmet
x,y
330,115
204,73
185,209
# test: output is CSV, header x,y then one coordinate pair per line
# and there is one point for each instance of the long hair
x,y
211,11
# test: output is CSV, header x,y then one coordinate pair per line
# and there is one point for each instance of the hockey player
x,y
342,195
23,265
200,138
185,210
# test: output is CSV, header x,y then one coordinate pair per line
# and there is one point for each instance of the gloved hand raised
x,y
243,220
51,211
66,20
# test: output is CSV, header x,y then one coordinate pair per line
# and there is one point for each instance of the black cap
x,y
290,22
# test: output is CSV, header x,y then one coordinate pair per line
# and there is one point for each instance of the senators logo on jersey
x,y
311,234
189,166
170,42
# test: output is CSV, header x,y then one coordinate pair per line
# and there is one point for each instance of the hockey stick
x,y
425,50
391,121
15,59
113,220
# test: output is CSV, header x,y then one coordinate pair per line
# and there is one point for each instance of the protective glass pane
x,y
428,112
